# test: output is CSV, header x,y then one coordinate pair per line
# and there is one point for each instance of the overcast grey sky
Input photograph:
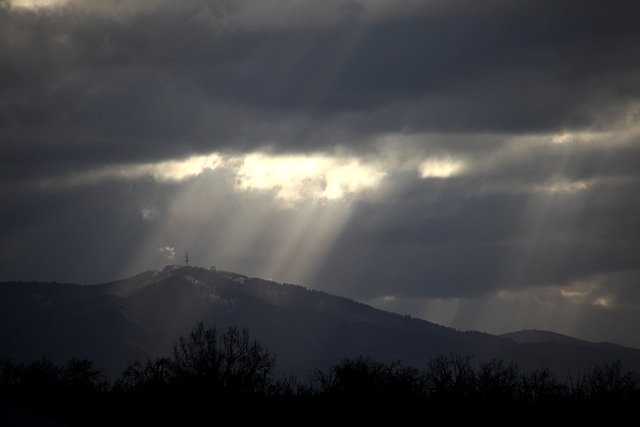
x,y
475,164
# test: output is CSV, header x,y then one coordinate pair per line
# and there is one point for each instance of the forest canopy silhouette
x,y
210,368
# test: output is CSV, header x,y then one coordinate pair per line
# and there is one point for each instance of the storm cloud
x,y
471,164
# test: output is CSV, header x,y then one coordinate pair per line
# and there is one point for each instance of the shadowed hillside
x,y
140,317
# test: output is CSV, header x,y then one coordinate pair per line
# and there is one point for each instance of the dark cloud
x,y
536,103
82,235
435,240
161,75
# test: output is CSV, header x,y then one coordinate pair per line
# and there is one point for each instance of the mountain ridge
x,y
544,336
140,317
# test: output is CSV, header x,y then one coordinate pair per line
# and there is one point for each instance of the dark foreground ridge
x,y
214,374
174,346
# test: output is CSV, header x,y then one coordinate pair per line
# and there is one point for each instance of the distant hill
x,y
538,336
141,317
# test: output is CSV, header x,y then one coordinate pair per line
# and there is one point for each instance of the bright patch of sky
x,y
560,185
165,171
36,4
591,291
334,176
292,178
295,178
441,168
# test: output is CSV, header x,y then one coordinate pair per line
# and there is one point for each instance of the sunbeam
x,y
270,216
306,241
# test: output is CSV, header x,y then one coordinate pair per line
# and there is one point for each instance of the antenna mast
x,y
186,259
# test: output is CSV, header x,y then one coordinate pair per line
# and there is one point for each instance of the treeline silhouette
x,y
210,372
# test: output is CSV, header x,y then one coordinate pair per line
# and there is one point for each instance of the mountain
x,y
142,316
538,336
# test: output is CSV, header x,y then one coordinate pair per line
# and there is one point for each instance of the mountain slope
x,y
538,336
142,316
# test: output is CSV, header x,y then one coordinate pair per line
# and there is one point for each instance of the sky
x,y
474,164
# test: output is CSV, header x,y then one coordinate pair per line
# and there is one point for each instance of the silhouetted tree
x,y
360,377
9,376
288,386
609,383
577,386
232,363
62,392
363,378
450,377
81,376
209,369
497,381
40,378
402,381
541,386
151,376
197,355
324,382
